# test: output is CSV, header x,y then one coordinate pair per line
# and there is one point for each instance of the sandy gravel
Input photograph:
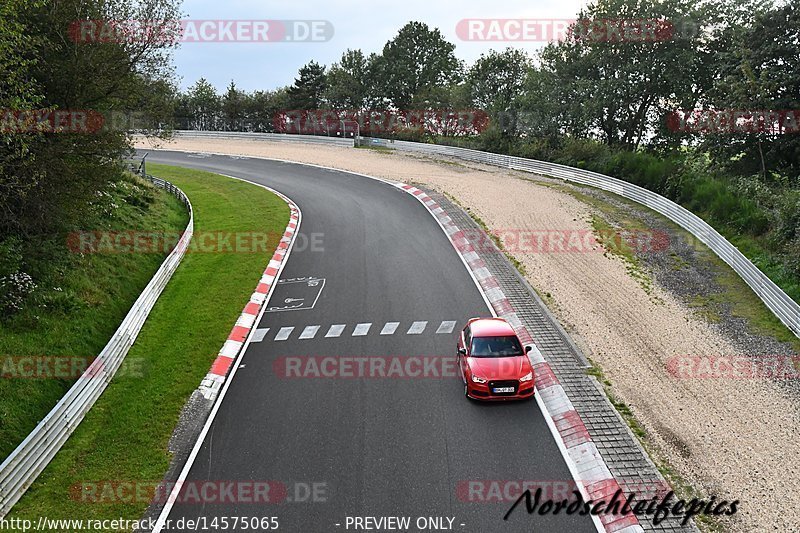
x,y
736,439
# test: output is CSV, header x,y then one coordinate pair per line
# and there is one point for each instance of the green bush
x,y
584,153
542,148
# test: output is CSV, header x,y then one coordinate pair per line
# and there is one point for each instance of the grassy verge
x,y
78,303
376,148
125,436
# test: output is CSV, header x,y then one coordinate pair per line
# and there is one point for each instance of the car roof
x,y
490,327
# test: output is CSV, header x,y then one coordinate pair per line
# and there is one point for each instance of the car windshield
x,y
496,346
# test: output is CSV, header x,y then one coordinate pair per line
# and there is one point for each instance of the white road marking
x,y
284,333
362,329
417,328
390,328
309,332
447,326
335,331
259,334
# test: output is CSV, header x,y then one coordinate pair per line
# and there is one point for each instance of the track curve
x,y
376,447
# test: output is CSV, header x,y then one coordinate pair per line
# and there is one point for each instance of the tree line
x,y
723,54
55,158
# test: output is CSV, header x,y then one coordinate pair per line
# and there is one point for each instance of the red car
x,y
493,363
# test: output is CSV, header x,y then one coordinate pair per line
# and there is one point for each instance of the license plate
x,y
502,389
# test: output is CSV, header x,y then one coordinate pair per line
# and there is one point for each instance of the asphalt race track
x,y
374,447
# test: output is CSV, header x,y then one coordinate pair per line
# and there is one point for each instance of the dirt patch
x,y
731,438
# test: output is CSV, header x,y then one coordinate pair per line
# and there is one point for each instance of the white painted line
x,y
417,328
362,329
259,334
390,328
309,332
284,333
447,326
335,331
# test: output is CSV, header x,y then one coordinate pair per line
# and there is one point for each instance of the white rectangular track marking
x,y
362,329
259,334
417,328
309,332
390,328
447,326
335,330
284,333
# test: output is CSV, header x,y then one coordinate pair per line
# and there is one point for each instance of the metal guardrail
x,y
277,137
29,459
786,309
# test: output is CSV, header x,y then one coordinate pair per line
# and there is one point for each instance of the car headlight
x,y
527,377
476,379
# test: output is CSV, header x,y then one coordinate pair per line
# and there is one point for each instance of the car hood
x,y
500,367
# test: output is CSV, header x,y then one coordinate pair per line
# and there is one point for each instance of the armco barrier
x,y
786,309
31,457
276,137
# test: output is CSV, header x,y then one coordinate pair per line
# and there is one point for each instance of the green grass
x,y
125,436
743,302
80,302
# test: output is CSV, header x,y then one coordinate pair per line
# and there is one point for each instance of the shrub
x,y
15,289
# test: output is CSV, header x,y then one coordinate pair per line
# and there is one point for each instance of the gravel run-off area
x,y
728,438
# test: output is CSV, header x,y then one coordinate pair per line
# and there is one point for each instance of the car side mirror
x,y
462,351
528,348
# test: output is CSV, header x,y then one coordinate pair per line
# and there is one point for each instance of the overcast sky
x,y
360,24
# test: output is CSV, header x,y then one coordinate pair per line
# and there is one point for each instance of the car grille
x,y
503,383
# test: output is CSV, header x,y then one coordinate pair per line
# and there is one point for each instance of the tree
x,y
47,179
620,89
233,109
418,59
759,72
309,88
49,174
496,81
262,107
350,81
203,106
